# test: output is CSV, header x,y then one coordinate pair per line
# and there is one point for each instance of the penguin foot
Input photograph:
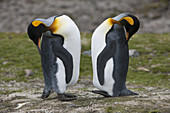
x,y
103,93
127,92
66,97
46,94
69,95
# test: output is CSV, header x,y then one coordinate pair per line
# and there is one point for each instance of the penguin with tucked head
x,y
110,54
58,41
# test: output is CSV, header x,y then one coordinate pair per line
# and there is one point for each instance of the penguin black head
x,y
35,30
56,25
130,22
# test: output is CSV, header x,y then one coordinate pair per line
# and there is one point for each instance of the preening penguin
x,y
58,41
110,54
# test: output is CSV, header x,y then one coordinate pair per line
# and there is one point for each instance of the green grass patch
x,y
154,55
18,52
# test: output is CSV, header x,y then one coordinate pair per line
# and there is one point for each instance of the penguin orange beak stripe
x,y
39,43
127,36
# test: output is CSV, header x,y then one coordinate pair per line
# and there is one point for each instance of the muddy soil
x,y
15,15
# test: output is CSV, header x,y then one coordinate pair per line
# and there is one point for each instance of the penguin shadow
x,y
60,97
99,95
122,93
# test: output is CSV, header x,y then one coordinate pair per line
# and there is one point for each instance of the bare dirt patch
x,y
25,97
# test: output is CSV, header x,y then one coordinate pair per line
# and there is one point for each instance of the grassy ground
x,y
17,53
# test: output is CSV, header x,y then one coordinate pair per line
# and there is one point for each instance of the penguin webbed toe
x,y
103,93
127,92
69,95
66,97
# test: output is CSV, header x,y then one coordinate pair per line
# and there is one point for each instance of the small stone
x,y
143,69
20,105
72,105
28,72
133,53
142,96
5,62
87,53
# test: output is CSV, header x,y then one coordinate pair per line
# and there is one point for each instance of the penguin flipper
x,y
60,52
102,59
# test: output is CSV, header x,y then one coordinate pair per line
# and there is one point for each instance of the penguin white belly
x,y
60,75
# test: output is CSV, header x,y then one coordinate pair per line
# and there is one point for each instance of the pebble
x,y
72,105
5,62
143,69
28,72
133,53
87,53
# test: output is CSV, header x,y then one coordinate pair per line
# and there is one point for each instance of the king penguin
x,y
58,41
110,54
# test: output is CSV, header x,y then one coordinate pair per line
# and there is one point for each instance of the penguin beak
x,y
127,22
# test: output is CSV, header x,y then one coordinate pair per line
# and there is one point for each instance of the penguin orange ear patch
x,y
129,20
37,23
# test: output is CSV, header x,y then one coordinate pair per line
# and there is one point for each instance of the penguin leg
x,y
66,97
48,87
103,93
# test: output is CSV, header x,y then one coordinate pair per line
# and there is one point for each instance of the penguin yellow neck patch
x,y
54,26
112,21
37,23
129,20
